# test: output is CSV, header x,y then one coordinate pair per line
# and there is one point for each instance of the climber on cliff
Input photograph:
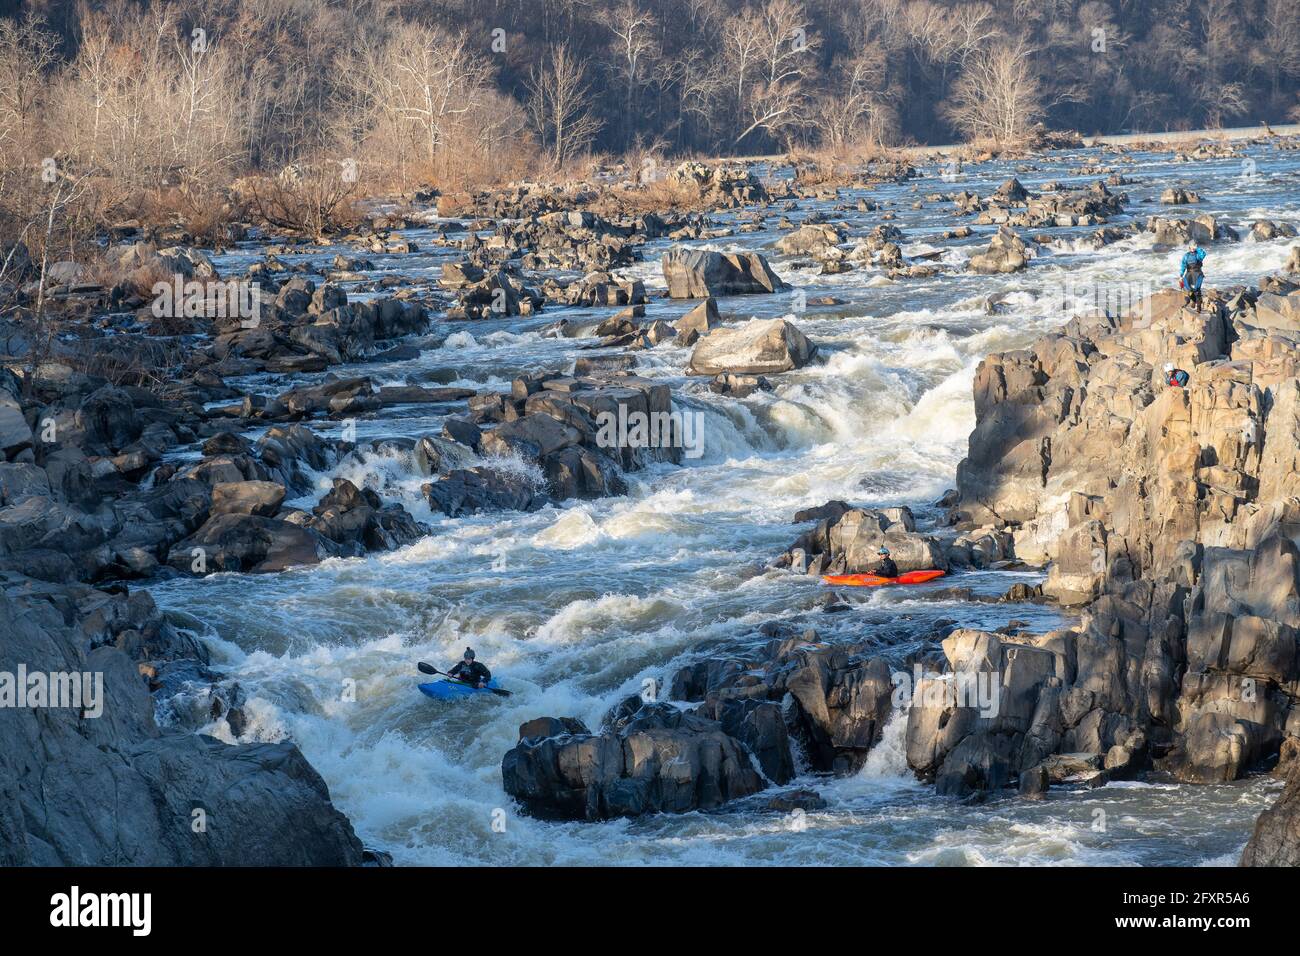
x,y
1191,275
471,671
887,569
1175,377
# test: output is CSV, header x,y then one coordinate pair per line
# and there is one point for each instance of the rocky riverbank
x,y
1163,517
1167,514
1164,514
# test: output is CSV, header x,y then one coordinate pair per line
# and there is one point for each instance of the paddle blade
x,y
499,692
426,668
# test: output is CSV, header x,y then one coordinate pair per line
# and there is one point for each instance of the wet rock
x,y
1034,783
846,542
699,321
123,791
831,511
991,719
699,273
1006,253
358,520
1265,230
756,348
471,490
652,763
760,727
1276,840
842,701
551,727
739,386
261,498
814,239
245,542
808,801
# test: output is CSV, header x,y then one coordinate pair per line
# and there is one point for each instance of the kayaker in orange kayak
x,y
887,569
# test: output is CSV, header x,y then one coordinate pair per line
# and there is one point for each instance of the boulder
x,y
653,763
247,498
759,347
80,788
246,542
471,490
1006,253
847,542
699,321
811,239
699,273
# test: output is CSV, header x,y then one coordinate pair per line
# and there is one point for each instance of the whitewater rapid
x,y
574,606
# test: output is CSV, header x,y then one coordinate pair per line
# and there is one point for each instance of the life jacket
x,y
1192,262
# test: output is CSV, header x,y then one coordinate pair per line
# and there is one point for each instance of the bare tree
x,y
998,94
635,47
856,108
426,81
769,55
27,52
559,105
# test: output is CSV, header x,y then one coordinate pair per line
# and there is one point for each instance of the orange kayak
x,y
873,580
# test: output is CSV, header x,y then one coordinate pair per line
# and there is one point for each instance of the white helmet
x,y
1193,245
1169,366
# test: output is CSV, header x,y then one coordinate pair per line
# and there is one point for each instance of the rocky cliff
x,y
103,784
1170,515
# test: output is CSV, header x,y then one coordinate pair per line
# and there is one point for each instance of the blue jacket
x,y
1192,261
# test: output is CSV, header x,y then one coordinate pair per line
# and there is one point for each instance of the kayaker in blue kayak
x,y
471,671
887,569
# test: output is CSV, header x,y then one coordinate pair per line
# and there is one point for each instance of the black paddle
x,y
430,669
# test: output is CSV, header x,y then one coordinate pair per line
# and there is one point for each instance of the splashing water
x,y
573,606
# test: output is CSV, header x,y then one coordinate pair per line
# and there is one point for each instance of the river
x,y
573,606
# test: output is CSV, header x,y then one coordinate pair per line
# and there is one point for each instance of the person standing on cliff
x,y
1191,275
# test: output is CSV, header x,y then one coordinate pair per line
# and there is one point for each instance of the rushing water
x,y
574,605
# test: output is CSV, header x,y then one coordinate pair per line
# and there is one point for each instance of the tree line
x,y
147,94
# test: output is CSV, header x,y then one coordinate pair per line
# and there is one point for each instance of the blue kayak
x,y
453,689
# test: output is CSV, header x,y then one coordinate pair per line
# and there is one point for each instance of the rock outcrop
x,y
756,348
698,273
101,784
1276,840
1171,513
655,759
